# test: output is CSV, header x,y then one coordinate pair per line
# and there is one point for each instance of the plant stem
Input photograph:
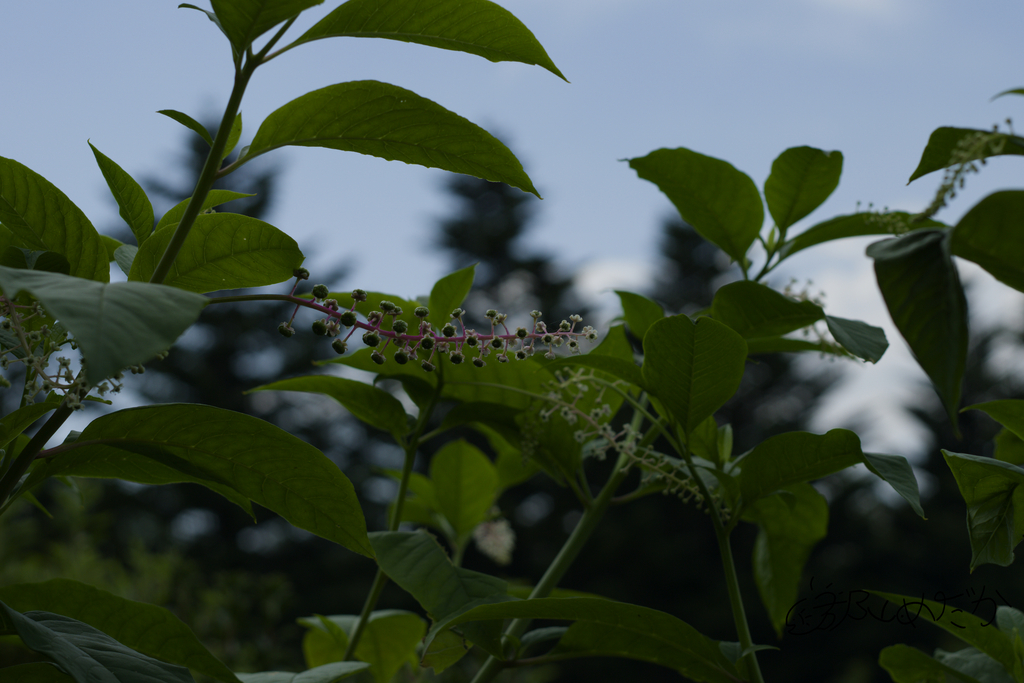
x,y
20,465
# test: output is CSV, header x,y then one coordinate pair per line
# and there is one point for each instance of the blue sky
x,y
737,80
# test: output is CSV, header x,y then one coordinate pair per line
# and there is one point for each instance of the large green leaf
x,y
862,340
185,119
243,21
995,505
853,225
41,217
991,235
793,457
1009,413
328,673
258,460
392,123
906,664
465,485
478,27
640,312
754,310
147,629
606,628
922,291
720,202
37,672
801,179
16,422
448,294
132,203
896,471
88,654
943,142
373,406
790,526
116,325
388,642
222,251
213,198
692,368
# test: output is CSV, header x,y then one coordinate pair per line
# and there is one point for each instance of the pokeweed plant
x,y
540,412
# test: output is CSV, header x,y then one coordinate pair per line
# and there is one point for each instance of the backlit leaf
x,y
785,459
853,225
802,179
448,293
941,150
185,119
133,204
640,312
990,234
754,310
862,340
465,485
328,673
213,198
243,21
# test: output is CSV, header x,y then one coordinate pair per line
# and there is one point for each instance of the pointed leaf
x,y
445,649
262,462
754,310
132,203
124,255
906,664
853,225
185,119
608,628
147,629
990,235
465,485
233,135
116,325
16,422
692,368
897,472
328,673
720,202
862,340
1009,413
222,251
243,21
41,217
478,27
373,406
793,457
640,312
392,123
942,148
995,506
922,291
213,198
1009,447
802,179
448,294
87,653
111,245
387,643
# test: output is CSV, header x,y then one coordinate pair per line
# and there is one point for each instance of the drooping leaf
x,y
124,255
111,245
147,629
222,251
258,460
948,146
785,459
448,293
243,21
907,664
87,653
789,529
233,135
995,505
185,119
116,325
41,217
640,312
862,340
368,403
802,178
922,291
854,225
387,643
133,204
990,235
608,628
754,310
692,368
465,483
720,202
328,673
897,472
213,198
391,123
478,27
1009,413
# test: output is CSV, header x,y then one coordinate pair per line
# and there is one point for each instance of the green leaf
x,y
387,643
789,528
862,340
41,217
1009,413
233,135
906,664
897,472
785,345
260,461
625,370
222,251
185,119
110,244
373,406
478,27
512,467
793,457
124,255
445,649
16,422
720,202
853,225
87,653
1009,447
37,672
213,198
416,562
116,325
802,178
640,312
995,506
973,662
448,294
692,368
147,629
392,123
605,628
133,204
328,673
465,485
754,310
922,291
243,21
944,142
990,235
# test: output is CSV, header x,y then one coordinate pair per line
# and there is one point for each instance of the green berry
x,y
472,341
348,318
491,313
564,326
497,343
319,327
401,357
479,362
285,329
301,273
421,312
522,332
377,357
339,346
371,338
358,295
427,366
320,292
520,355
387,306
400,327
427,343
457,313
448,330
457,358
